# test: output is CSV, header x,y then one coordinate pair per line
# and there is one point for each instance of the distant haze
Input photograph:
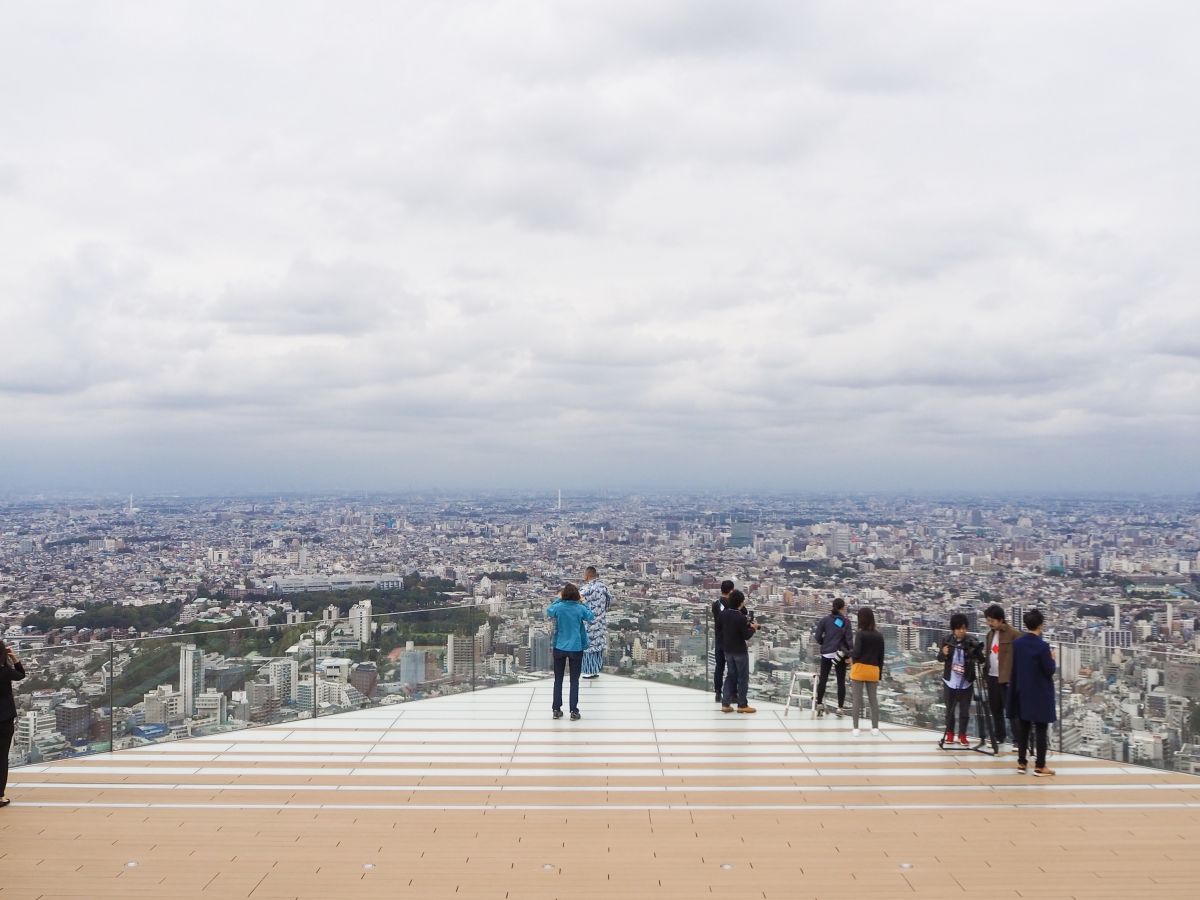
x,y
699,243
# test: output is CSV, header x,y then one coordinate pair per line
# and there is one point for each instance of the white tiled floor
x,y
636,740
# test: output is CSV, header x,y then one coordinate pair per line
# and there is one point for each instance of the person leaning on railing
x,y
866,667
10,670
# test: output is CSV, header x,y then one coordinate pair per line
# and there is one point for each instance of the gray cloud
x,y
794,245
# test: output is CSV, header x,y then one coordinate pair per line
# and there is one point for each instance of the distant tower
x,y
1116,616
560,499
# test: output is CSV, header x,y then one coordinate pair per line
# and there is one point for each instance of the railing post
x,y
314,671
112,737
1058,672
708,676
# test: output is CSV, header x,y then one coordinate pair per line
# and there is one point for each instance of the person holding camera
x,y
866,667
959,653
835,637
1031,693
718,607
10,670
736,628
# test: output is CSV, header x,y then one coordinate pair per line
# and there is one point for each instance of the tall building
x,y
741,534
838,541
283,675
72,719
541,652
364,677
412,666
163,705
211,706
360,621
460,655
191,677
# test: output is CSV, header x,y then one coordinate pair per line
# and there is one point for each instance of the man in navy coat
x,y
1031,692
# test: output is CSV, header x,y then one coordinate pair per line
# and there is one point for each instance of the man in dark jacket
x,y
835,637
10,670
998,647
1031,692
959,654
718,607
736,629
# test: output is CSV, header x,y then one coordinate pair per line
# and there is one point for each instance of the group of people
x,y
1019,671
580,636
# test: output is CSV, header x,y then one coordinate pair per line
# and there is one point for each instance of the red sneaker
x,y
962,739
949,738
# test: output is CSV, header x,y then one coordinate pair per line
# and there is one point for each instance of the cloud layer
x,y
800,245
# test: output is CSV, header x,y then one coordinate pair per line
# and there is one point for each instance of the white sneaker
x,y
856,732
876,732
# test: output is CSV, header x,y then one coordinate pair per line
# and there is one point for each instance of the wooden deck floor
x,y
654,793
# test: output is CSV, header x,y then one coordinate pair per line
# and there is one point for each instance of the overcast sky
x,y
290,245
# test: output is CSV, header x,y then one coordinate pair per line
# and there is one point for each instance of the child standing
x,y
570,639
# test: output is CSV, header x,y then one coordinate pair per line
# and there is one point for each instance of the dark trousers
x,y
6,736
996,697
958,700
737,678
1041,732
560,667
839,668
719,670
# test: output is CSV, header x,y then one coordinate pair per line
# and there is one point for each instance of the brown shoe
x,y
725,708
746,709
1042,772
1022,768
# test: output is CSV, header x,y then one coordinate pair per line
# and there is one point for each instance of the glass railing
x,y
126,693
1136,705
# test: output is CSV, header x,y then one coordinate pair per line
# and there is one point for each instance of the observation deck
x,y
653,794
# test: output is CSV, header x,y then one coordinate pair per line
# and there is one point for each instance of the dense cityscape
x,y
154,619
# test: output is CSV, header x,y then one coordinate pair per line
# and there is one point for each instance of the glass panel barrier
x,y
207,682
1133,704
365,660
666,643
62,703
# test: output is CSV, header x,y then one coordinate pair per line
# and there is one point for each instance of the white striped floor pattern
x,y
640,745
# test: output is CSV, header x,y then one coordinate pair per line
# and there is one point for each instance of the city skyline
x,y
805,246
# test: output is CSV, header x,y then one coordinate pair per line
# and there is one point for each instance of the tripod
x,y
987,735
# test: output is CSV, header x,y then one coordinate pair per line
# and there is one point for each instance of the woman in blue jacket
x,y
1031,692
570,640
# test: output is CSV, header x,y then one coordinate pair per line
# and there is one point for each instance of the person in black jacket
x,y
10,670
866,667
959,654
835,638
736,629
718,607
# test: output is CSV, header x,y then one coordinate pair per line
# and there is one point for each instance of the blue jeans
x,y
560,667
737,678
718,668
